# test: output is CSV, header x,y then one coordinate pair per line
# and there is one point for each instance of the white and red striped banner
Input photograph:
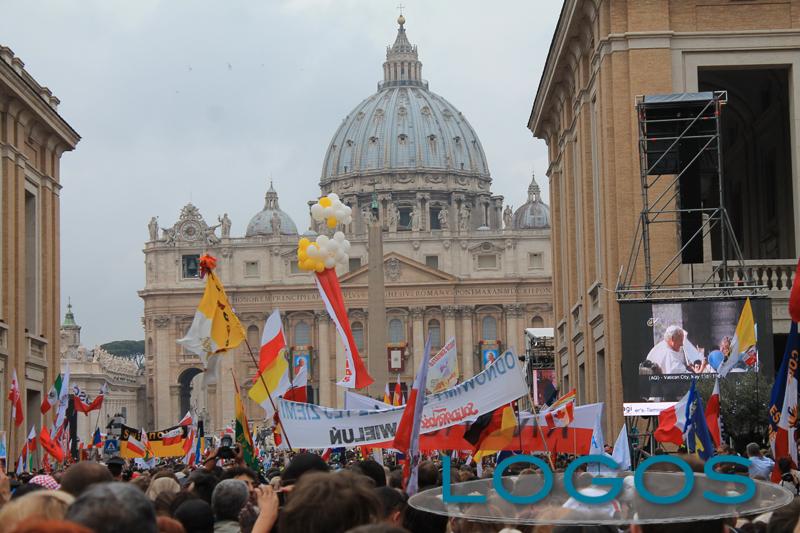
x,y
355,373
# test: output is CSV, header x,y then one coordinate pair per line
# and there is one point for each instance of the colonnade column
x,y
449,312
511,327
417,336
467,344
324,358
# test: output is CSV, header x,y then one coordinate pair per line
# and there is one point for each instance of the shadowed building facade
x,y
33,136
456,260
605,53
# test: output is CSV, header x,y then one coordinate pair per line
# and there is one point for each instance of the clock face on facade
x,y
190,231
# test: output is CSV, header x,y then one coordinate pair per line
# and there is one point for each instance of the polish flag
x,y
299,389
16,400
672,422
272,341
173,436
355,373
561,416
712,414
135,445
186,420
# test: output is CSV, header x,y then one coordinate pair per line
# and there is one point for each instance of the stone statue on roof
x,y
152,226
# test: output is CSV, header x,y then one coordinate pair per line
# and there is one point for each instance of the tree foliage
x,y
744,400
126,348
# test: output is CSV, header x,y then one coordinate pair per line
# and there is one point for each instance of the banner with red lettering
x,y
312,426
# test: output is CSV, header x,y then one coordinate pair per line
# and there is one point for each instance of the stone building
x,y
457,261
32,138
90,370
603,54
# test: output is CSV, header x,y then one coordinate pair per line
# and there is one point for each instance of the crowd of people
x,y
305,494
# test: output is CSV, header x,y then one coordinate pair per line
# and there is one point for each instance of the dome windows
x,y
402,138
349,143
373,140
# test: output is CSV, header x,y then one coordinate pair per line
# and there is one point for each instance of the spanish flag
x,y
215,328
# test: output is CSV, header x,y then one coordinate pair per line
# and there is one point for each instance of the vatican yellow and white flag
x,y
215,328
443,368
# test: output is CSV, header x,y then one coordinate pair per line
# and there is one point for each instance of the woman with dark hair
x,y
790,478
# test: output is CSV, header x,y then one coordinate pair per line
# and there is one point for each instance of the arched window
x,y
489,328
435,332
537,322
252,336
358,335
302,334
396,330
150,346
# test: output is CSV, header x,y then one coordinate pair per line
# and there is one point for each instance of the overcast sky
x,y
203,101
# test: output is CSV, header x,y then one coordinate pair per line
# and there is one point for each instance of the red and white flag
x,y
135,445
16,400
561,416
712,414
95,404
672,422
272,341
173,436
187,419
355,373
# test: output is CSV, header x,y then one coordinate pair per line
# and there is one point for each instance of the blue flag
x,y
97,438
696,435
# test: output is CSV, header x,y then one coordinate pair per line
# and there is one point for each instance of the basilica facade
x,y
457,261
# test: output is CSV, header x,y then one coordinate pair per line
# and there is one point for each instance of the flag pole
x,y
269,394
539,427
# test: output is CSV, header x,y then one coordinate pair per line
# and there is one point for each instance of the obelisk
x,y
376,309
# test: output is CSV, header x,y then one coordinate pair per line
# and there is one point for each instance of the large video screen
x,y
666,344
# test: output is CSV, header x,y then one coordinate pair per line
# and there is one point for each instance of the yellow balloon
x,y
325,201
332,222
304,243
302,255
320,267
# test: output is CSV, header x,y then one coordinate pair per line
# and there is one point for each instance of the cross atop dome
x,y
271,198
533,189
402,66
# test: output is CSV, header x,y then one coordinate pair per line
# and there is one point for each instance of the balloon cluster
x,y
332,211
325,252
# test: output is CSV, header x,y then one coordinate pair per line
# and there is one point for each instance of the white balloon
x,y
321,240
331,246
328,212
339,236
330,262
316,212
348,210
312,250
334,197
347,219
346,246
341,257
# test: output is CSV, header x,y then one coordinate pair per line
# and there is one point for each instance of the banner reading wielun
x,y
312,426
